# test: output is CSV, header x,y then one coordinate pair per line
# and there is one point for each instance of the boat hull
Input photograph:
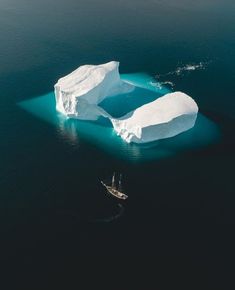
x,y
115,192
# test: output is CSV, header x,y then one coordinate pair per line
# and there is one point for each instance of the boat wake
x,y
76,217
111,218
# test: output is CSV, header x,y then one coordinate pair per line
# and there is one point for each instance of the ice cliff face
x,y
79,93
78,96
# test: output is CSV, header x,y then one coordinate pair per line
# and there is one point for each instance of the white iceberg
x,y
165,117
79,94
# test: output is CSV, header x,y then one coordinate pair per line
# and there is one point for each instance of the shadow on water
x,y
102,135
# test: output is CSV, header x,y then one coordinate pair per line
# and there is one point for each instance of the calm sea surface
x,y
58,227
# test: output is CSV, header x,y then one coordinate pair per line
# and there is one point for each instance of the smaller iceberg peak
x,y
165,117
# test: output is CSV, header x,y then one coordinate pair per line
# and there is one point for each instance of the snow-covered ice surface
x,y
79,94
165,117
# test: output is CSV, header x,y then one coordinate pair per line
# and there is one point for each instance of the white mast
x,y
120,183
113,180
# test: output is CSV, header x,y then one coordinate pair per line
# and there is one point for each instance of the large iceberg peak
x,y
88,85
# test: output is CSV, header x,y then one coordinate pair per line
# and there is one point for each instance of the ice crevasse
x,y
79,94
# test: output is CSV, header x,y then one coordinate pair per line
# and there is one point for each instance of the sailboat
x,y
115,191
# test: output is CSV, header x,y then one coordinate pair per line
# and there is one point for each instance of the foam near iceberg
x,y
79,94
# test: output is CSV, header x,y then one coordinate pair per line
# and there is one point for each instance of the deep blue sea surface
x,y
59,229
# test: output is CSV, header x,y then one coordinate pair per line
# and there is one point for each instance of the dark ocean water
x,y
58,227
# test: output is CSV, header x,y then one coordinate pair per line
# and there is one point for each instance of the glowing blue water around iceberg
x,y
101,133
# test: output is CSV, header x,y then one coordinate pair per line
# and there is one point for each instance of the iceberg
x,y
79,94
165,117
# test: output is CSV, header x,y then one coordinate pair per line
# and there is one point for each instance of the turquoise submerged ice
x,y
79,95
